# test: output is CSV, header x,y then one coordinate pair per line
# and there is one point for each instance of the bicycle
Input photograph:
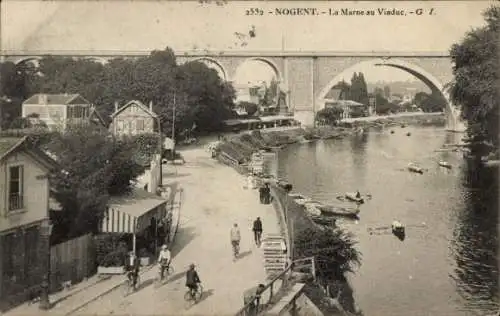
x,y
194,296
129,284
164,271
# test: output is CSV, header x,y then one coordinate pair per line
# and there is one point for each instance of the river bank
x,y
239,148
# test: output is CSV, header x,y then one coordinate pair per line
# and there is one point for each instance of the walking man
x,y
235,240
257,231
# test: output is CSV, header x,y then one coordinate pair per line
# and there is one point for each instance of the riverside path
x,y
214,198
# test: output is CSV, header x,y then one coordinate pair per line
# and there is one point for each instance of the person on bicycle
x,y
164,259
132,267
192,279
235,238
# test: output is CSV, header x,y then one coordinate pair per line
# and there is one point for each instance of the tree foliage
x,y
329,115
434,102
359,90
334,251
200,96
475,84
93,167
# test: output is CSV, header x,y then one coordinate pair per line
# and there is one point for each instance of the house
x,y
350,108
58,111
24,218
133,118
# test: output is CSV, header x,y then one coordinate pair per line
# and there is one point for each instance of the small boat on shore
x,y
323,220
414,168
312,208
353,196
338,210
445,164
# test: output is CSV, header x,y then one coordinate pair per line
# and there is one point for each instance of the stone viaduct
x,y
305,76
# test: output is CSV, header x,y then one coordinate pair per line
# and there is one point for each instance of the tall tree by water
x,y
475,84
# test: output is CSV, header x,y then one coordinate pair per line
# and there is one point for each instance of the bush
x,y
109,243
115,259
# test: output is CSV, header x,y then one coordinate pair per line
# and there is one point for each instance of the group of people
x,y
192,278
164,261
235,235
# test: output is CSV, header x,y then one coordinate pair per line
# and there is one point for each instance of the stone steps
x,y
275,256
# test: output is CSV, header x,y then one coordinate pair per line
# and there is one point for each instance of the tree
x,y
434,102
329,115
475,84
345,90
359,90
333,250
94,166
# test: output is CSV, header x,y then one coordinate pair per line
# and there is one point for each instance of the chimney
x,y
151,106
116,106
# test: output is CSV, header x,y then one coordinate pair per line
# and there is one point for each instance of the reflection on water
x,y
447,266
475,241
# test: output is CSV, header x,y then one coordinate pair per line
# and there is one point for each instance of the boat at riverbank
x,y
352,196
414,168
444,164
339,210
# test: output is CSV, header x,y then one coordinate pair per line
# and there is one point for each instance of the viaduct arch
x,y
304,75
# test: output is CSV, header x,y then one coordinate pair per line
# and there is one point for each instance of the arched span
x,y
32,59
99,60
434,84
215,62
269,62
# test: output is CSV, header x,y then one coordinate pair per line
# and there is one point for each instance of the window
x,y
15,188
140,125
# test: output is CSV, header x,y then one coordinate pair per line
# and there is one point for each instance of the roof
x,y
275,118
56,99
9,145
334,94
137,203
139,104
94,112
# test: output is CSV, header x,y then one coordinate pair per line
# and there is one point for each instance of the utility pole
x,y
173,127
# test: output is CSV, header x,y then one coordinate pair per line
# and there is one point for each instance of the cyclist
x,y
235,239
132,267
192,280
164,260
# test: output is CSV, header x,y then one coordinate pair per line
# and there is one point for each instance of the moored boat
x,y
323,220
352,196
445,164
414,168
338,210
312,208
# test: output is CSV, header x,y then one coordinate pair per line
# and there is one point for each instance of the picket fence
x,y
72,261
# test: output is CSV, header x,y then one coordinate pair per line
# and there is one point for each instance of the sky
x,y
36,26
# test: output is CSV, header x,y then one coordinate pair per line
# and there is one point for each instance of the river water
x,y
448,263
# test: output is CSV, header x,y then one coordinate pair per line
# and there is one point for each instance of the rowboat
x,y
351,196
445,164
313,208
323,220
414,168
398,230
338,210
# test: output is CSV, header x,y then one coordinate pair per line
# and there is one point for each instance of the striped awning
x,y
133,213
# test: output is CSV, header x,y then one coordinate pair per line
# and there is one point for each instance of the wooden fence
x,y
72,261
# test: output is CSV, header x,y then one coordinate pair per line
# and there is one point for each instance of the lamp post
x,y
46,231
